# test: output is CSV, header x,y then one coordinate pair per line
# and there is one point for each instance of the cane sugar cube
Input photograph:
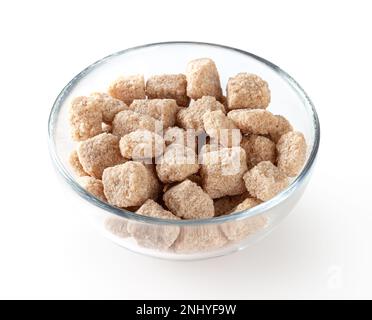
x,y
265,180
85,119
188,201
222,172
291,153
203,79
256,121
258,148
130,184
98,153
168,86
247,91
128,88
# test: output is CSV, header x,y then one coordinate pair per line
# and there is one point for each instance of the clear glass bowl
x,y
197,239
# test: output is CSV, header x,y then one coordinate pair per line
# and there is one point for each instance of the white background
x,y
322,250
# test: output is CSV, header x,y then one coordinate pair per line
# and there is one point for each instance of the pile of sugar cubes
x,y
174,147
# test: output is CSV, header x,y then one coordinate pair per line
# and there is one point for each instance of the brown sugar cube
x,y
128,121
164,110
257,149
93,186
265,180
117,226
192,116
222,172
227,204
130,184
177,163
240,229
76,165
108,105
291,149
128,88
187,200
141,144
85,119
98,153
168,86
107,128
247,91
256,121
203,79
281,127
221,129
153,236
199,238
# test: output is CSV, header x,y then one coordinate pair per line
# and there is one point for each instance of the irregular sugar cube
x,y
199,238
247,90
203,79
256,121
192,116
164,110
93,186
291,149
128,121
141,144
187,200
222,172
76,165
168,86
221,129
257,149
108,105
282,126
130,184
117,226
98,153
265,180
128,88
177,163
85,119
240,229
227,204
154,236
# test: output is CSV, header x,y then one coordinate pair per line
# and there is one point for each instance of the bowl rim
x,y
257,210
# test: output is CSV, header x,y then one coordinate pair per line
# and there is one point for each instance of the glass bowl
x,y
195,239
